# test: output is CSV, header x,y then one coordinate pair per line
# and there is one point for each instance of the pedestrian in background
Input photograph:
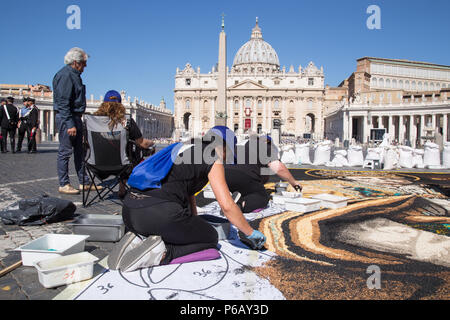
x,y
69,104
8,122
2,103
32,125
22,125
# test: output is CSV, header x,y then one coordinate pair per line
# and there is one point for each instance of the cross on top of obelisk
x,y
223,21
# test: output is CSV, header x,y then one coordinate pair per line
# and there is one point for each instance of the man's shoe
x,y
86,187
68,189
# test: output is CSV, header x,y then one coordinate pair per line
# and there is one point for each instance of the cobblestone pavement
x,y
24,176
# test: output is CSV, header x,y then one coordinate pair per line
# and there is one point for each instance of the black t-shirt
x,y
133,131
253,156
185,179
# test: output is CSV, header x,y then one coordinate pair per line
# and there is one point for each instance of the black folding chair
x,y
108,153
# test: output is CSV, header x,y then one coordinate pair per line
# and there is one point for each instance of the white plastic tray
x,y
331,201
66,269
302,205
291,195
50,246
281,198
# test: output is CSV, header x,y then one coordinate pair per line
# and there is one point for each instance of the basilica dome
x,y
256,51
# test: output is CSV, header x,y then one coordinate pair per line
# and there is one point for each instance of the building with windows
x,y
258,93
409,99
154,121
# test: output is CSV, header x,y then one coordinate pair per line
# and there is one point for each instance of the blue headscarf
x,y
228,138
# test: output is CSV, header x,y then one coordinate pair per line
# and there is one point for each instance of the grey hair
x,y
75,54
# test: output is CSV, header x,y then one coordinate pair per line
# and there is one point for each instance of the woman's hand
x,y
257,239
298,187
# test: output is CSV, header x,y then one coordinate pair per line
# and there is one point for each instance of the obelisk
x,y
221,108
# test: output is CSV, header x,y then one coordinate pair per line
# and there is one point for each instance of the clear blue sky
x,y
136,45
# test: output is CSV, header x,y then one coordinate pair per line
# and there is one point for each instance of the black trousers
x,y
21,135
182,232
253,194
31,138
12,138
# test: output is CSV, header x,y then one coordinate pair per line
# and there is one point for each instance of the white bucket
x,y
65,270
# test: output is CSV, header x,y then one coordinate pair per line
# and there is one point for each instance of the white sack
x,y
446,155
288,157
406,159
418,158
355,156
322,154
302,154
287,147
432,156
339,160
391,159
374,154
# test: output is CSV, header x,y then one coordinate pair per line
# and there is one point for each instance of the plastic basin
x,y
66,269
50,246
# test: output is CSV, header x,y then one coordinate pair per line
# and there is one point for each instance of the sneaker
x,y
68,189
147,254
129,241
86,187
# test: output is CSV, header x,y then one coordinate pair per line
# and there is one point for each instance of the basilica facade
x,y
260,95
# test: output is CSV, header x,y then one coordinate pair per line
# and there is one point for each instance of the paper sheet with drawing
x,y
226,278
222,279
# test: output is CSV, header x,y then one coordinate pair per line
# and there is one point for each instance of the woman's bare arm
x,y
280,169
230,209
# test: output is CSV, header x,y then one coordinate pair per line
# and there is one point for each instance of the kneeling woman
x,y
161,212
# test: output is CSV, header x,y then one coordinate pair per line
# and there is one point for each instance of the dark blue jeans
x,y
67,146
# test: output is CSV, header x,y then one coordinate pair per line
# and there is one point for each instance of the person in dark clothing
x,y
257,159
8,121
22,125
112,107
32,126
2,103
69,103
28,123
166,212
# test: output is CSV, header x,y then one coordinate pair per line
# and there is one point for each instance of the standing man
x,y
32,125
22,126
69,103
8,122
2,103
